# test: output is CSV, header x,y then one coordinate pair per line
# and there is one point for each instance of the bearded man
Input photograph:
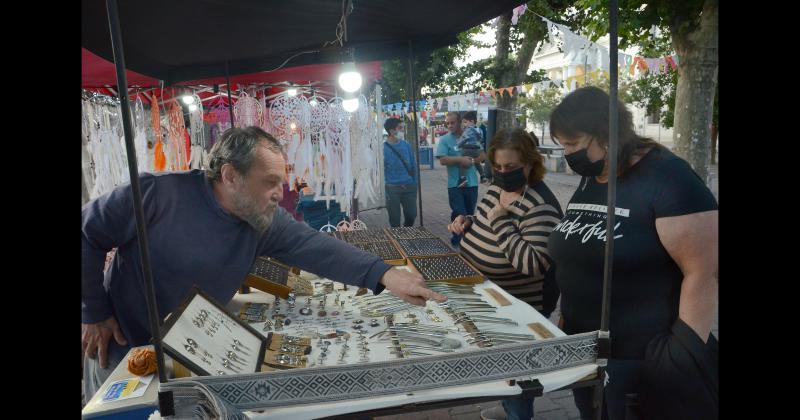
x,y
205,228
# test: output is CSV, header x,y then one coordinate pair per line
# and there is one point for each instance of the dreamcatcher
x,y
107,150
291,115
177,156
218,118
140,137
247,111
159,159
320,117
196,128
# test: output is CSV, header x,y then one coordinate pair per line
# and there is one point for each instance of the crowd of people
x,y
665,246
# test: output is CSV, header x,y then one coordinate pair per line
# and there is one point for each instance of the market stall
x,y
159,49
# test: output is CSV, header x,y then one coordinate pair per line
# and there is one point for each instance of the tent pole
x,y
416,125
144,248
604,339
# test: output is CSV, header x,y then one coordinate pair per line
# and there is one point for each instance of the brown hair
x,y
517,139
586,111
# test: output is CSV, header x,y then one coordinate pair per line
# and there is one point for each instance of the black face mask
x,y
510,181
580,163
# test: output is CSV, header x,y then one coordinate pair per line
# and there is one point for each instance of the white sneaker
x,y
494,413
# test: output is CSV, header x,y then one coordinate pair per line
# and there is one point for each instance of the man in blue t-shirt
x,y
205,228
399,171
462,199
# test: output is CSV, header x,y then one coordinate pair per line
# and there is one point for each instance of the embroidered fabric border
x,y
336,383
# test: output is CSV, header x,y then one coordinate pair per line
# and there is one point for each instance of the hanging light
x,y
350,103
192,107
313,102
292,91
293,126
188,99
349,78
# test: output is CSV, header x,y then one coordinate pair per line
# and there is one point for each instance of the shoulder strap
x,y
403,161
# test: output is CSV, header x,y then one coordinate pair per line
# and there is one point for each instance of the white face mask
x,y
400,135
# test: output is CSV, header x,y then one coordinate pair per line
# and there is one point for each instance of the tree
x,y
691,26
538,106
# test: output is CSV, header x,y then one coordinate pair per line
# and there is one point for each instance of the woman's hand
x,y
459,225
505,201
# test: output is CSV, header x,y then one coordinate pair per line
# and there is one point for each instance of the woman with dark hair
x,y
665,261
507,237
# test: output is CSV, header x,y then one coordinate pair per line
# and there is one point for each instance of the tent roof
x,y
182,40
98,72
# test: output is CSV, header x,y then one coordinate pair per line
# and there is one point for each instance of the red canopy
x,y
98,72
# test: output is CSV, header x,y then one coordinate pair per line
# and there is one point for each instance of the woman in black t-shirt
x,y
665,250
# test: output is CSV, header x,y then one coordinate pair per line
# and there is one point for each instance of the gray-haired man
x,y
205,228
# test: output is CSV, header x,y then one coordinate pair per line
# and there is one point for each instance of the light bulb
x,y
350,78
313,102
292,126
192,107
292,91
188,99
350,105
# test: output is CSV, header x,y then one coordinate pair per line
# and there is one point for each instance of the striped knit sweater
x,y
512,250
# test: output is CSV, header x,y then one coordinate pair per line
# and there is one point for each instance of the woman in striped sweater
x,y
507,237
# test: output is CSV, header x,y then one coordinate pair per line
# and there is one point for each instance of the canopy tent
x,y
99,75
183,40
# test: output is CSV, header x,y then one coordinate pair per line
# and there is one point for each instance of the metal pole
x,y
228,85
613,112
416,125
127,126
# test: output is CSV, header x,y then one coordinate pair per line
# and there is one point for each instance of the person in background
x,y
462,199
400,176
471,144
664,285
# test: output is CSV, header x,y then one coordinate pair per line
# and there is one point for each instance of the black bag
x,y
680,376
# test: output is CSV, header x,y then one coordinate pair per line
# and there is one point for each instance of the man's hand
x,y
467,161
459,225
409,286
95,338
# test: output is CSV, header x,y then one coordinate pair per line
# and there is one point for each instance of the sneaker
x,y
494,413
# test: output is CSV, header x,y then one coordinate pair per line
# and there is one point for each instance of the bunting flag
x,y
671,62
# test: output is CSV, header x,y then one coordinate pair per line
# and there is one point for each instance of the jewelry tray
x,y
182,324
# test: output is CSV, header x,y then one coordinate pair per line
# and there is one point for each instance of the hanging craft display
x,y
196,128
247,111
140,137
105,144
177,153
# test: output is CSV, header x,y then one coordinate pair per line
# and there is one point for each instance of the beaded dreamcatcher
x,y
177,157
219,118
248,111
140,124
159,158
196,128
106,147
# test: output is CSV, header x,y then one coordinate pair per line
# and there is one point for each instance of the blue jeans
x,y
462,203
404,196
518,408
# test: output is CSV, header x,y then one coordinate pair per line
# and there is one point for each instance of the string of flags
x,y
578,50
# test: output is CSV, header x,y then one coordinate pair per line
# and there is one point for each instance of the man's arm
x,y
455,161
298,245
106,223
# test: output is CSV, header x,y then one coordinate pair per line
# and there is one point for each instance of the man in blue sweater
x,y
204,229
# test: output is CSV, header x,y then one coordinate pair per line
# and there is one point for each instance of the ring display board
x,y
446,268
203,336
